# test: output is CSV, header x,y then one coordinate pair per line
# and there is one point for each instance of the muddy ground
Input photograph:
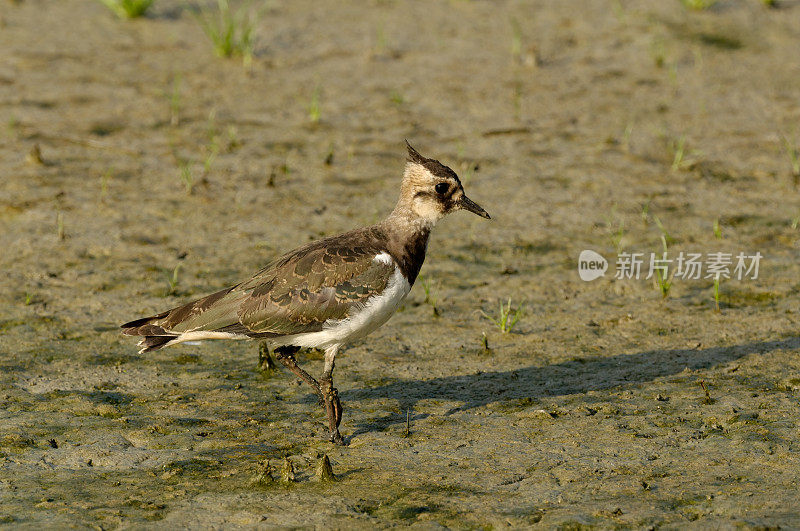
x,y
165,172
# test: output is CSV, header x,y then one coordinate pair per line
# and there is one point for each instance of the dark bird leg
x,y
330,397
265,362
285,355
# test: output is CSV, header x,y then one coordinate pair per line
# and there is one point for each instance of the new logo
x,y
591,265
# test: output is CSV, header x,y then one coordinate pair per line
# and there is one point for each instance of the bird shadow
x,y
565,378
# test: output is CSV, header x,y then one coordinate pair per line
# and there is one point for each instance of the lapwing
x,y
327,293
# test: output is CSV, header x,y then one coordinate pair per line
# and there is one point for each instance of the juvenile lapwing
x,y
326,293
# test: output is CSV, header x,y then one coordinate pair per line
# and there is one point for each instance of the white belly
x,y
374,313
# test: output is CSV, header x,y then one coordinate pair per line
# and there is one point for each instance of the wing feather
x,y
300,295
294,294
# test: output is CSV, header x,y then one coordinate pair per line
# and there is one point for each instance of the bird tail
x,y
149,343
154,335
158,331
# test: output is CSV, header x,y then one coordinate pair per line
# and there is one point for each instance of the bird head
x,y
432,190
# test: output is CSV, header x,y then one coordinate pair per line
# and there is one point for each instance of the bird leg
x,y
285,355
330,397
265,362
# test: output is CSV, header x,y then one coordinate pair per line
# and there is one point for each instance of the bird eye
x,y
441,188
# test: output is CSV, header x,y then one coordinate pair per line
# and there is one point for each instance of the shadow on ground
x,y
570,377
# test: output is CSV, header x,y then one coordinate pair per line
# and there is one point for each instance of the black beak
x,y
468,204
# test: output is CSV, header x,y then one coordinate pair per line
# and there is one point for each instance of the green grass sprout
x,y
60,233
662,279
664,283
104,179
314,113
430,296
186,176
678,152
698,5
665,237
794,157
646,212
507,317
172,280
516,39
231,31
128,8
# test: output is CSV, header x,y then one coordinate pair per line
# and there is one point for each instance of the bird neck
x,y
404,218
407,240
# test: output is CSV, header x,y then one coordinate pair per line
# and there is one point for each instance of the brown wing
x,y
295,294
302,291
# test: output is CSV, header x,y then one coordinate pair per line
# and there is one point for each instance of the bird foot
x,y
333,407
336,438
